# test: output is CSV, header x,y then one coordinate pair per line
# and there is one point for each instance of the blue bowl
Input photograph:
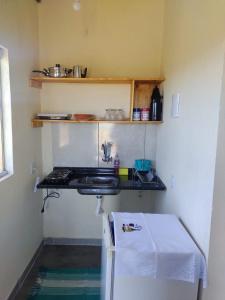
x,y
143,165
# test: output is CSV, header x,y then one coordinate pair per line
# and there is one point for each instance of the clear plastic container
x,y
114,114
119,114
108,114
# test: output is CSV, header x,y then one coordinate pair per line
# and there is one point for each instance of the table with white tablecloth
x,y
157,246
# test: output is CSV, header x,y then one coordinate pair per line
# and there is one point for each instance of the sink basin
x,y
99,185
93,191
100,181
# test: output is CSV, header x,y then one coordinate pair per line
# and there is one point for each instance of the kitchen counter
x,y
73,180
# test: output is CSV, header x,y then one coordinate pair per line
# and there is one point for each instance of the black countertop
x,y
126,182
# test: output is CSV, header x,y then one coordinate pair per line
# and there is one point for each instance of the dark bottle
x,y
155,106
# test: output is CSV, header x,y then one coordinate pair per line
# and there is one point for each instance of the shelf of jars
x,y
39,123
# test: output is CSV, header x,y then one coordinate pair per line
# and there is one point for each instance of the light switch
x,y
175,109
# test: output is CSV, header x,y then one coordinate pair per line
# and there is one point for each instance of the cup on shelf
x,y
120,114
108,114
114,114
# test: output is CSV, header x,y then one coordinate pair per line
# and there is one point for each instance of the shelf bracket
x,y
35,84
36,123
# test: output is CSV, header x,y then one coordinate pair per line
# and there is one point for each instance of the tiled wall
x,y
73,215
80,144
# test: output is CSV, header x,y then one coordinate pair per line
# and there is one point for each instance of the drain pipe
x,y
99,208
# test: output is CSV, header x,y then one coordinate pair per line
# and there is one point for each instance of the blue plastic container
x,y
143,165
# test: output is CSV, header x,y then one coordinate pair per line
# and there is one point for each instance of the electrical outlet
x,y
33,168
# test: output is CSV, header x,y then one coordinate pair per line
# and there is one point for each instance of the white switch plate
x,y
33,168
175,109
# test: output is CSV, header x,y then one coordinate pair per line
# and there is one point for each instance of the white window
x,y
2,163
6,154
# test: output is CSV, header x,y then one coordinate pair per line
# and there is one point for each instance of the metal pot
x,y
57,71
79,71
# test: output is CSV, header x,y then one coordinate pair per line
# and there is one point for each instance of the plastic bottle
x,y
156,105
116,163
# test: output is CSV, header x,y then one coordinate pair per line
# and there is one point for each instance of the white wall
x,y
85,98
112,38
186,147
20,219
216,289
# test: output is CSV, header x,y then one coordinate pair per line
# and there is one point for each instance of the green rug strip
x,y
67,284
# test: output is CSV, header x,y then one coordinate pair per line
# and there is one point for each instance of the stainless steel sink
x,y
99,185
99,180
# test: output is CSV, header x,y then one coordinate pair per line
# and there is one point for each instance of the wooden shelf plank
x,y
122,80
37,81
149,80
36,123
146,122
39,123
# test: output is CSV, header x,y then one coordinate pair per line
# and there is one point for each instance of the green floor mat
x,y
67,284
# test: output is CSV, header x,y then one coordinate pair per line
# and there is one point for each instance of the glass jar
x,y
119,114
108,114
145,114
112,114
136,114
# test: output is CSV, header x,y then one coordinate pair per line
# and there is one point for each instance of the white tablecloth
x,y
162,249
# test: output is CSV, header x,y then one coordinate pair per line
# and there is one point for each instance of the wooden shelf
x,y
37,81
140,91
39,123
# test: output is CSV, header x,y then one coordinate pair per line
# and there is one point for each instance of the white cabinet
x,y
133,288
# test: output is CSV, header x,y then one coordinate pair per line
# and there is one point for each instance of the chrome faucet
x,y
106,147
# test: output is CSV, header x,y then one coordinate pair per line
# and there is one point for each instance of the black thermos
x,y
155,106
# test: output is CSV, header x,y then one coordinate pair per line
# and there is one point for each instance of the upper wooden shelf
x,y
39,123
37,81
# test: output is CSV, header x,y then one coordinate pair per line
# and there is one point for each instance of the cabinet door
x,y
107,261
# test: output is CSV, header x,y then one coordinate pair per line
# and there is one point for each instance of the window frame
x,y
2,154
5,116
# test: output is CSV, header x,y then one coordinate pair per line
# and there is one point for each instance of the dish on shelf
x,y
83,117
52,116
